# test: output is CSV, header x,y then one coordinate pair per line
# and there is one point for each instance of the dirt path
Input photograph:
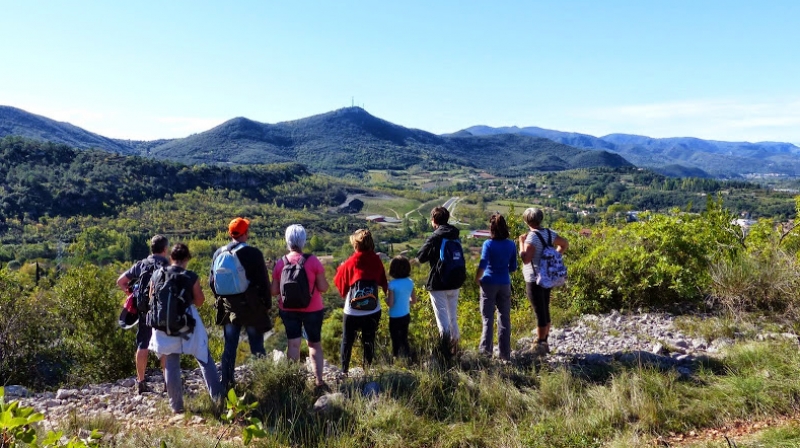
x,y
736,432
396,215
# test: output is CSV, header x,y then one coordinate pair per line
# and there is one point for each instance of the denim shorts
x,y
296,321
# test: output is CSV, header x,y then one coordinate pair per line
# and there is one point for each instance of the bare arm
x,y
561,244
413,296
275,287
123,282
390,298
320,282
479,275
526,250
199,297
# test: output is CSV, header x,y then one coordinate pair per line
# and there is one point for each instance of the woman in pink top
x,y
295,320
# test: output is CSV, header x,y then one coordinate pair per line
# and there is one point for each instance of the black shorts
x,y
143,333
296,321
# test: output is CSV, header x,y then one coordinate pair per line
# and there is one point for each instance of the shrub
x,y
28,329
766,281
89,307
659,261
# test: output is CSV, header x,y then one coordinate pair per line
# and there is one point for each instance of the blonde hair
x,y
361,240
533,216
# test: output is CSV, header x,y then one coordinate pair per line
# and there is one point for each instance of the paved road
x,y
450,203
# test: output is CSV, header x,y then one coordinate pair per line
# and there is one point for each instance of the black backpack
x,y
141,285
294,284
451,267
364,295
169,305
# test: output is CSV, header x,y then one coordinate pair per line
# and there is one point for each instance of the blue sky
x,y
726,70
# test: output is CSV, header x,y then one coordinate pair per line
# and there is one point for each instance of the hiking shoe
x,y
542,348
141,387
321,389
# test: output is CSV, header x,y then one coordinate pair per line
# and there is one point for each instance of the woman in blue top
x,y
498,260
399,299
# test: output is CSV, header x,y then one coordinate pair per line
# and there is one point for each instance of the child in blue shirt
x,y
399,299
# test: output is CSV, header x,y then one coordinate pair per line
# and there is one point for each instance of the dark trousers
x,y
496,297
398,330
540,301
368,325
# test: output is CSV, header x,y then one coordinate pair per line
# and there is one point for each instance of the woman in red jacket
x,y
358,280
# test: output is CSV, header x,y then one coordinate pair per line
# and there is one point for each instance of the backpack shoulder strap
x,y
549,237
149,263
441,248
541,238
302,263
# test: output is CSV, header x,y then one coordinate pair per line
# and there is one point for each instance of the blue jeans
x,y
232,332
172,367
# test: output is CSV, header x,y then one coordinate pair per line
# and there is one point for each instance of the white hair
x,y
295,237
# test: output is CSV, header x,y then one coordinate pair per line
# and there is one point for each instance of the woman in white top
x,y
530,250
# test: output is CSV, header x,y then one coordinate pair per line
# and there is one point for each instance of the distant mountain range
x,y
680,156
348,140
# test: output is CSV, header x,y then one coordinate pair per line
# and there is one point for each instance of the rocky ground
x,y
651,339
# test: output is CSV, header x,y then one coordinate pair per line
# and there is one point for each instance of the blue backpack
x,y
228,273
452,267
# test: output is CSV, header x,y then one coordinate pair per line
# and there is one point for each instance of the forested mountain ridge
x,y
345,141
17,122
675,156
48,178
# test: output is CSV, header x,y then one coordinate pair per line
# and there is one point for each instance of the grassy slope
x,y
481,403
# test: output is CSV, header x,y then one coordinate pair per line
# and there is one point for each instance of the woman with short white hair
x,y
299,316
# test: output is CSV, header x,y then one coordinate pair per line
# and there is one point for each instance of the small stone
x,y
16,391
682,344
128,382
278,356
64,394
658,349
327,402
176,418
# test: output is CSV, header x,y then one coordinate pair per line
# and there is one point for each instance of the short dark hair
x,y
498,227
440,215
399,267
180,252
158,244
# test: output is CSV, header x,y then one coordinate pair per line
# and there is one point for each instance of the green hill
x,y
345,141
49,178
352,140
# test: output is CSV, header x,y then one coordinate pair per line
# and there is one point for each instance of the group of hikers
x,y
163,296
